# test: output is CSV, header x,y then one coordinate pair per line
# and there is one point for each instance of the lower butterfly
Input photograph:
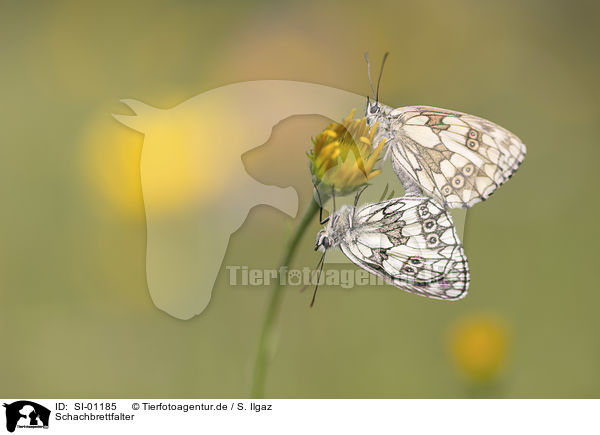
x,y
410,242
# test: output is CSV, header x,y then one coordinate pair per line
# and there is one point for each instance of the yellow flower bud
x,y
343,156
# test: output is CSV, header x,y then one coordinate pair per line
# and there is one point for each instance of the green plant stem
x,y
266,336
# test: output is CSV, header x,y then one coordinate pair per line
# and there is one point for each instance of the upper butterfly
x,y
456,158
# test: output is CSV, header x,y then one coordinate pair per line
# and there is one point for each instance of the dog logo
x,y
26,414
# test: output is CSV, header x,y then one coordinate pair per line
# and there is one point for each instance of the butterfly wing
x,y
411,243
456,158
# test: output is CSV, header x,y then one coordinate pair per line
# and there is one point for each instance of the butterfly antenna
x,y
380,73
369,73
316,267
321,262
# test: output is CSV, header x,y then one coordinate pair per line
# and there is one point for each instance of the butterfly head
x,y
324,240
377,112
338,224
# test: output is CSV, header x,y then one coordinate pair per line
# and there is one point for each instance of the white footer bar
x,y
227,416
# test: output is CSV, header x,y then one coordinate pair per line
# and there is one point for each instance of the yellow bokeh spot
x,y
175,172
180,165
111,164
478,346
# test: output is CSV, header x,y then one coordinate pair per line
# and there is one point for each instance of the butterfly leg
x,y
321,220
356,199
360,193
385,196
333,197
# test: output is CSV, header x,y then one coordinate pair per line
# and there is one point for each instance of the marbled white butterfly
x,y
456,158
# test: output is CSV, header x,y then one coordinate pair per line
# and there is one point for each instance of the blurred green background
x,y
76,317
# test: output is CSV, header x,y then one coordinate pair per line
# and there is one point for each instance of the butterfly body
x,y
456,158
409,242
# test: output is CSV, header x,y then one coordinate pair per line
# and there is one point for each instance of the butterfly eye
x,y
468,170
458,181
374,108
323,240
